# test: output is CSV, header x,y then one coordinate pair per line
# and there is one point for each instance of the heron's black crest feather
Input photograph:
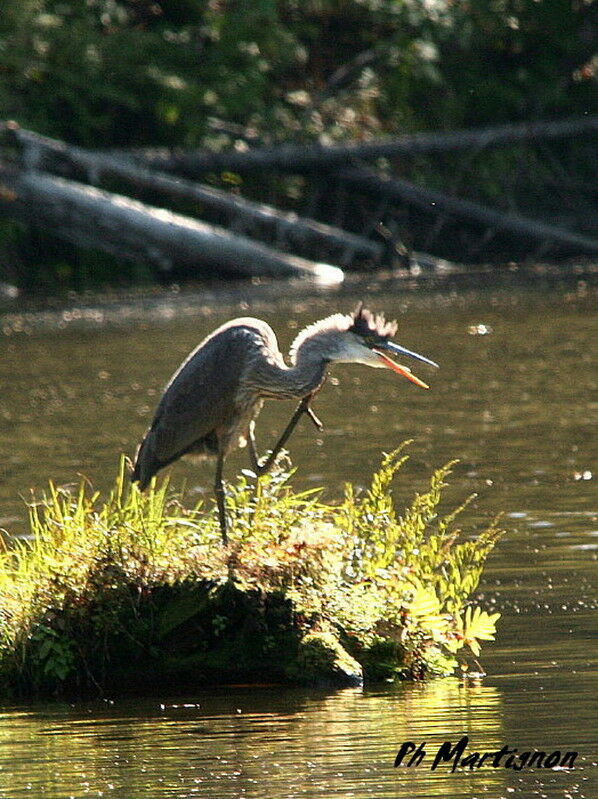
x,y
366,324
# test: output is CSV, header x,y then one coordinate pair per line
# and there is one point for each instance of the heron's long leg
x,y
255,464
265,467
219,491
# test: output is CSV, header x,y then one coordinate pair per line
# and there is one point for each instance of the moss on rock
x,y
322,660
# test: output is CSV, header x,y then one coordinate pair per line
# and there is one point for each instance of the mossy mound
x,y
137,592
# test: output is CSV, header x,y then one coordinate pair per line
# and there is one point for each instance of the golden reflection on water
x,y
276,743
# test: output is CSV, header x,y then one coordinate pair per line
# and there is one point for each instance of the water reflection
x,y
233,744
280,744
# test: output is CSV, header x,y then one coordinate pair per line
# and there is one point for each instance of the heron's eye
x,y
373,340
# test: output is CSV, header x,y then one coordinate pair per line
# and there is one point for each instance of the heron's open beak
x,y
396,367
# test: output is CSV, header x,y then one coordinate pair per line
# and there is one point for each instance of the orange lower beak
x,y
400,370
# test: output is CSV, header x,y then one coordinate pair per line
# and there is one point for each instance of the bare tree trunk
x,y
141,231
130,229
310,157
43,153
434,201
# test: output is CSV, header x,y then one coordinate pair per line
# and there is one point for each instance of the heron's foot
x,y
314,418
305,407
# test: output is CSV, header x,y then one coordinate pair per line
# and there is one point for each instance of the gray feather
x,y
204,399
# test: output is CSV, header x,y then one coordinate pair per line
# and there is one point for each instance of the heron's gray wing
x,y
202,395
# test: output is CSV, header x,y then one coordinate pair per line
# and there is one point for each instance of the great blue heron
x,y
211,402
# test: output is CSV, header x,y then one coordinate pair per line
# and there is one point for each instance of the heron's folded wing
x,y
202,395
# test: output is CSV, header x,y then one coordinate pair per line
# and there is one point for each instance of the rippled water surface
x,y
515,400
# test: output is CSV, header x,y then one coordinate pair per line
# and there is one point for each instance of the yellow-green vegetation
x,y
137,590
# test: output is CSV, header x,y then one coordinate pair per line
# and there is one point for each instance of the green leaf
x,y
424,603
478,624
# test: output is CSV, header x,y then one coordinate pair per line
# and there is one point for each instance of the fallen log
x,y
50,155
95,218
310,157
378,185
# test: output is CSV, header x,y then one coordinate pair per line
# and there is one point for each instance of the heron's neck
x,y
308,372
277,380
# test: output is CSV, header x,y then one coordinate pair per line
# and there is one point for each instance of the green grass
x,y
135,589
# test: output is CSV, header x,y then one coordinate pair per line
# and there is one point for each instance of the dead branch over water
x,y
307,157
129,229
47,183
43,153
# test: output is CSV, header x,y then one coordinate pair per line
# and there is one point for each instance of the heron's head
x,y
360,337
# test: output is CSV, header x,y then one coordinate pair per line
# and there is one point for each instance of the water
x,y
515,399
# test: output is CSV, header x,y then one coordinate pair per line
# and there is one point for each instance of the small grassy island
x,y
137,592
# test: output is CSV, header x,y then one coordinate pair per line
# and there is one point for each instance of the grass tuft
x,y
136,589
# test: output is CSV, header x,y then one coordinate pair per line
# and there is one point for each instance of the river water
x,y
515,400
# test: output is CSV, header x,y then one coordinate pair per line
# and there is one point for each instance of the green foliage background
x,y
206,73
112,72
